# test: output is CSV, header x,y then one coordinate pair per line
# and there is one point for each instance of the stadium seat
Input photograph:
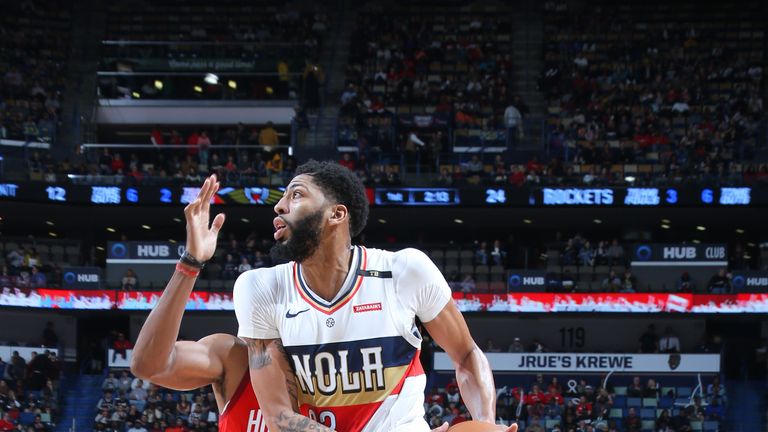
x,y
696,425
666,390
683,392
26,418
647,413
45,417
634,402
622,391
650,402
648,425
616,413
666,402
620,401
549,424
711,426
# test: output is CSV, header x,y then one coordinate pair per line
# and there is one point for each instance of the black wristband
x,y
188,259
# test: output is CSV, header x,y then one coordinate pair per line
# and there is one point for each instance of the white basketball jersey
x,y
356,357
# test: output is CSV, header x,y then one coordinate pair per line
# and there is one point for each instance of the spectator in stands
x,y
16,261
138,396
716,391
680,422
467,283
516,346
110,382
615,253
498,254
18,366
611,283
649,341
124,383
536,346
37,278
490,346
102,419
714,411
628,282
6,423
229,269
720,283
632,422
130,281
50,338
534,425
120,346
635,389
513,121
244,265
669,343
268,137
587,255
107,402
685,283
651,389
481,254
183,408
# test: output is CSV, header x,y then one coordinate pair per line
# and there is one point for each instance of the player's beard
x,y
303,241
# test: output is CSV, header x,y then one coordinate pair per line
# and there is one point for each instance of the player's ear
x,y
339,213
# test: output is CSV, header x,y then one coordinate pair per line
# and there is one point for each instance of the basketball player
x,y
218,359
334,328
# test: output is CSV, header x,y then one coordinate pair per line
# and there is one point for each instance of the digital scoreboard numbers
x,y
417,197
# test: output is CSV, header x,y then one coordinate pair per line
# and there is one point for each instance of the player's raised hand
x,y
201,234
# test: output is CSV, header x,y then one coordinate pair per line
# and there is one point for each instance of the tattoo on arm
x,y
292,422
258,357
290,382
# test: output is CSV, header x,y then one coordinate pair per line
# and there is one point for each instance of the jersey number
x,y
326,417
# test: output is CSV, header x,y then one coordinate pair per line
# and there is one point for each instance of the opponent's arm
x,y
473,373
275,388
157,357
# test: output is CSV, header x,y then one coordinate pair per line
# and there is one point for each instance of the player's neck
x,y
326,270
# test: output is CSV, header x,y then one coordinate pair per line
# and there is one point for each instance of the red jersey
x,y
242,413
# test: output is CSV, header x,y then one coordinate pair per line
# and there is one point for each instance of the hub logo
x,y
119,250
679,252
82,277
643,253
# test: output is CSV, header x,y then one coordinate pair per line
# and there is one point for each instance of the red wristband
x,y
187,271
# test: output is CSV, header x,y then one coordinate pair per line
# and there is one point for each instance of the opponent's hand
x,y
442,428
201,239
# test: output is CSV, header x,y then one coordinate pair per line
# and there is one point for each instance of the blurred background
x,y
590,177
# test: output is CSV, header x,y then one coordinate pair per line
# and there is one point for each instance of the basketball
x,y
474,426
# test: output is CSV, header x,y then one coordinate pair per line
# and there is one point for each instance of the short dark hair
x,y
341,185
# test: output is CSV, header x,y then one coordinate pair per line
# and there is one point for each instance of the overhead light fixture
x,y
49,223
172,241
245,220
176,220
597,221
629,179
666,221
198,89
270,91
52,234
136,95
158,85
739,231
382,221
232,84
665,226
527,221
110,229
211,79
290,150
146,227
101,248
750,244
696,241
701,228
458,221
747,256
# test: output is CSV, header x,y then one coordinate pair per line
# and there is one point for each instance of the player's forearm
x,y
289,421
476,384
153,351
